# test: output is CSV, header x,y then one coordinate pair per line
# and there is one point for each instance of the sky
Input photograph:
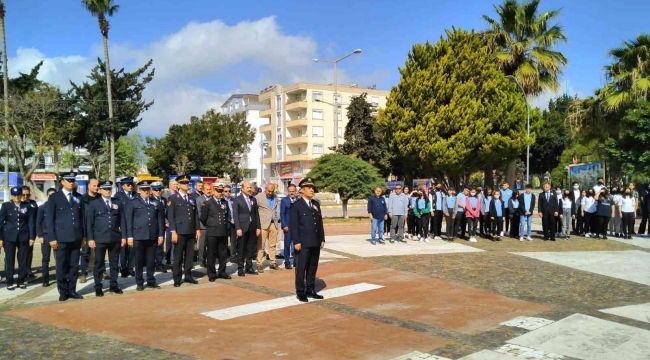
x,y
206,50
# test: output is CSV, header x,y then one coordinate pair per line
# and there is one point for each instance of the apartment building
x,y
301,125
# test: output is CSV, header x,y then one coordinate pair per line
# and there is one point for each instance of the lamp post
x,y
336,103
236,159
263,145
527,127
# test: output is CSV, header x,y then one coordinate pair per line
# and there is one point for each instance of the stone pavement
x,y
579,299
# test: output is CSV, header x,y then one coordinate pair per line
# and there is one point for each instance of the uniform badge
x,y
223,206
315,208
114,207
169,203
178,196
191,201
22,211
32,205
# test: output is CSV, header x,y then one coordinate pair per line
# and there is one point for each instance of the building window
x,y
316,96
300,151
278,102
237,105
317,131
337,98
278,153
230,108
317,114
339,116
375,100
278,119
317,149
340,132
279,138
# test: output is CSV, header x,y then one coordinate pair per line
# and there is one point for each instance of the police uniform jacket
x,y
215,215
122,197
306,223
64,221
86,199
182,215
145,219
17,222
40,221
34,205
104,225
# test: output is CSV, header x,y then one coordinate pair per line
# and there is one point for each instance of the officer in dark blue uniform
x,y
17,233
145,226
46,250
27,197
156,190
127,261
106,231
64,229
215,215
183,218
308,235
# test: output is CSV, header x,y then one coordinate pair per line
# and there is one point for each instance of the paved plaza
x,y
579,299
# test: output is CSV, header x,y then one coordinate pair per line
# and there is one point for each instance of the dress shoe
x,y
31,275
132,272
260,269
153,285
302,298
279,256
224,276
233,259
82,279
177,284
241,273
11,287
116,290
251,272
46,283
191,281
287,266
313,295
125,274
22,286
274,267
99,293
139,288
212,279
63,297
76,296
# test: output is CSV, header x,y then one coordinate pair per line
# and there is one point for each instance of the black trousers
x,y
11,248
424,224
412,227
507,219
437,222
603,223
127,259
497,225
202,246
30,257
183,254
628,223
644,219
588,228
487,224
169,247
160,253
246,249
67,266
514,226
461,224
548,221
578,224
113,250
451,226
217,249
46,250
306,268
145,255
84,259
233,242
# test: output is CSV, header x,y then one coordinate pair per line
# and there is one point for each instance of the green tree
x,y
351,178
522,39
128,154
101,9
629,74
630,147
552,135
452,108
363,139
70,161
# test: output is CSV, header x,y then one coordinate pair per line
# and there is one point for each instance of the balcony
x,y
297,122
296,140
266,128
296,104
303,156
266,113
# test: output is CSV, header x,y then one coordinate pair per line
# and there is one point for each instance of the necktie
x,y
70,198
547,196
185,198
108,205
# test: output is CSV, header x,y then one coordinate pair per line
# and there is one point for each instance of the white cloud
x,y
57,70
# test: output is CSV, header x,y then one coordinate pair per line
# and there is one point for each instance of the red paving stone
x,y
412,297
171,320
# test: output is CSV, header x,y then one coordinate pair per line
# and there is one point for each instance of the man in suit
x,y
306,221
285,207
548,210
145,226
87,253
17,233
156,189
268,206
127,255
27,197
46,250
106,231
64,230
247,225
201,196
576,197
184,226
216,217
227,194
169,246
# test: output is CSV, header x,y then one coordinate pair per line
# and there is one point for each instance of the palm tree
x,y
101,9
5,84
521,39
629,74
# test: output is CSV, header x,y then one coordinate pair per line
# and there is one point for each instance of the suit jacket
x,y
17,223
522,204
86,200
245,218
40,221
183,217
548,207
285,207
306,224
145,220
215,215
200,199
105,226
266,212
64,222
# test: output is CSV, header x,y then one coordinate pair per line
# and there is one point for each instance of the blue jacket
x,y
306,224
377,207
40,221
145,220
285,207
17,225
64,222
104,226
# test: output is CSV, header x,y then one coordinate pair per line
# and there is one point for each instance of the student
x,y
506,195
472,213
436,214
514,214
604,211
576,197
407,225
423,212
461,221
481,197
589,206
412,221
497,212
558,218
527,203
485,213
614,228
628,212
449,209
568,214
580,219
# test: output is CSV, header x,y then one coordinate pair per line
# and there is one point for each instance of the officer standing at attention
x,y
308,235
46,250
216,216
87,255
145,228
106,231
27,197
156,190
126,254
17,232
184,226
64,231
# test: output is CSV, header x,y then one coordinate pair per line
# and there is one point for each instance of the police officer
x,y
17,233
308,235
46,250
184,227
145,226
126,253
64,231
156,189
215,215
27,197
106,231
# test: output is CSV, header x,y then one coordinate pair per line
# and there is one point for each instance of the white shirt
x,y
110,204
567,203
627,204
597,188
576,194
308,202
589,204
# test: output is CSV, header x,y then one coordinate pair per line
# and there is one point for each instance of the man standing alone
x,y
398,205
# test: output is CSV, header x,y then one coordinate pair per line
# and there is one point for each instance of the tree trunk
x,y
510,173
488,175
110,108
5,84
345,207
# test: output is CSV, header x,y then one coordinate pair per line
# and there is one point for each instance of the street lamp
x,y
336,105
527,127
236,159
